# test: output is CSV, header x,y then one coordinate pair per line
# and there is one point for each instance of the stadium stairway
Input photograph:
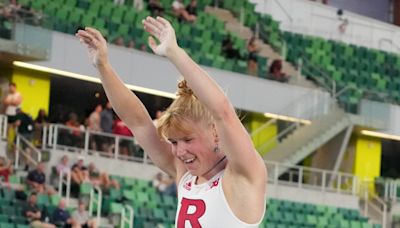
x,y
307,138
233,25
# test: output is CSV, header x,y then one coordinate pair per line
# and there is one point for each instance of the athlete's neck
x,y
220,165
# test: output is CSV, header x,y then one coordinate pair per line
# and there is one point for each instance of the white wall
x,y
307,17
154,72
311,196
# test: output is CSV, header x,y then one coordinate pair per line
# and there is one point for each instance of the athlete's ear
x,y
215,134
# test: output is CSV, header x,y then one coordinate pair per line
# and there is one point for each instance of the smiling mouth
x,y
189,161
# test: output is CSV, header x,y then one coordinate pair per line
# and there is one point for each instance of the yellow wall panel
x,y
34,87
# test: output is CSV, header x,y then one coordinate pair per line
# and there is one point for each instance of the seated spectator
x,y
138,4
77,175
119,41
126,146
101,179
36,179
131,44
192,8
155,7
33,214
164,185
62,218
228,50
252,49
63,166
178,8
74,138
5,169
275,71
40,121
82,217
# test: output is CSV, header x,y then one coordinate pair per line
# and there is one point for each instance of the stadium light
x,y
380,135
90,79
286,118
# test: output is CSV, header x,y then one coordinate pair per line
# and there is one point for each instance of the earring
x,y
216,148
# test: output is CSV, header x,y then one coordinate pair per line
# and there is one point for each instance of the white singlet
x,y
11,110
204,205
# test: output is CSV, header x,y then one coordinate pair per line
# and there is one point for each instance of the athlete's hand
x,y
162,30
96,45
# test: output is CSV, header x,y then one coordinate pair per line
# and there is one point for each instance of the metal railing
x,y
3,127
313,113
312,178
61,137
127,218
25,148
95,202
65,180
372,205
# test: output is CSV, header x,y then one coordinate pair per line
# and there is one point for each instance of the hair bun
x,y
183,89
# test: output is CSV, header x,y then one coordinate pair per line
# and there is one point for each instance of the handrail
x,y
387,40
127,219
97,201
322,73
30,146
3,127
304,174
295,125
371,200
282,112
284,10
67,183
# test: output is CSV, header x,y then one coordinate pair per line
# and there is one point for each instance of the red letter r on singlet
x,y
200,209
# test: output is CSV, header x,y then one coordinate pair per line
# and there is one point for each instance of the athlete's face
x,y
195,148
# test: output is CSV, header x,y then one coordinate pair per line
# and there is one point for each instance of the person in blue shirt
x,y
62,218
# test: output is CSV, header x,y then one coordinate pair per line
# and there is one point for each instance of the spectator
x,y
5,169
138,4
33,214
192,8
275,71
119,41
36,179
62,218
126,146
101,179
63,166
25,125
82,217
143,47
12,102
119,2
252,49
131,44
40,121
164,185
74,138
106,118
155,7
180,12
228,49
77,175
94,125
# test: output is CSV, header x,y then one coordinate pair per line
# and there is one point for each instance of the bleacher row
x,y
203,39
152,208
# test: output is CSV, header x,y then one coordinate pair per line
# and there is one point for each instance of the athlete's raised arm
x,y
126,104
245,164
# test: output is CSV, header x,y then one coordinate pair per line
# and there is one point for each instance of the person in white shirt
x,y
199,139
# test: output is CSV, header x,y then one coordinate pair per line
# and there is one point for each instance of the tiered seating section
x,y
153,208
